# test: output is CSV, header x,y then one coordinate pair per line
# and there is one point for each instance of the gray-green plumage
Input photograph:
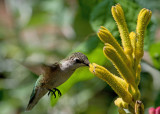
x,y
35,96
51,76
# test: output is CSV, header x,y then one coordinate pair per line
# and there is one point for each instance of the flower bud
x,y
122,68
118,16
120,103
142,22
157,111
106,37
152,111
115,84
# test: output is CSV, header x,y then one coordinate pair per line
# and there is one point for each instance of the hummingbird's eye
x,y
78,61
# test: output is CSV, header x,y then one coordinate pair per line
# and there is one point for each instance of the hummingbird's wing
x,y
39,91
36,69
49,68
42,68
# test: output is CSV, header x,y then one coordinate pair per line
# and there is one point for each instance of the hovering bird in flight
x,y
51,76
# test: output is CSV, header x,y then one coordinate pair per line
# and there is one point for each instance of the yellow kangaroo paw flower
x,y
132,36
122,68
118,16
126,60
120,103
106,37
142,22
105,75
122,82
104,28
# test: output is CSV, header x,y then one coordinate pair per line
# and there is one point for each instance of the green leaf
x,y
86,6
88,45
81,23
154,52
153,5
146,88
101,15
157,101
81,26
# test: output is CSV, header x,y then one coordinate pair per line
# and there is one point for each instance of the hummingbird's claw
x,y
54,94
59,92
51,91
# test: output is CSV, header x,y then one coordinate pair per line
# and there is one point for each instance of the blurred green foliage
x,y
47,31
155,54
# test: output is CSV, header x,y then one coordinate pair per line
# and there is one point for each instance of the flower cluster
x,y
126,60
154,111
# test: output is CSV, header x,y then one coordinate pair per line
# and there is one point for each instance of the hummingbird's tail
x,y
36,95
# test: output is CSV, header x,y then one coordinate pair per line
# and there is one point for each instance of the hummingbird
x,y
52,76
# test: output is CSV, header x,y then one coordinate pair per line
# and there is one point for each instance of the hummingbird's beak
x,y
86,63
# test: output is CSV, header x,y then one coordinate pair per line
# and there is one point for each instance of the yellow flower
x,y
118,16
122,68
120,103
142,22
112,80
126,60
106,37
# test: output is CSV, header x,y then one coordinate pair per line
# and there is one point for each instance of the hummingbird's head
x,y
79,59
75,61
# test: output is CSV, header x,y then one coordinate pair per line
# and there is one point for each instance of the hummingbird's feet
x,y
53,92
59,93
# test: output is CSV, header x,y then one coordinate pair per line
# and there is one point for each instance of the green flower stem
x,y
121,111
138,75
139,107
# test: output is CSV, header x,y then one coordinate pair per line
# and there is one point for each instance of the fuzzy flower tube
x,y
126,60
